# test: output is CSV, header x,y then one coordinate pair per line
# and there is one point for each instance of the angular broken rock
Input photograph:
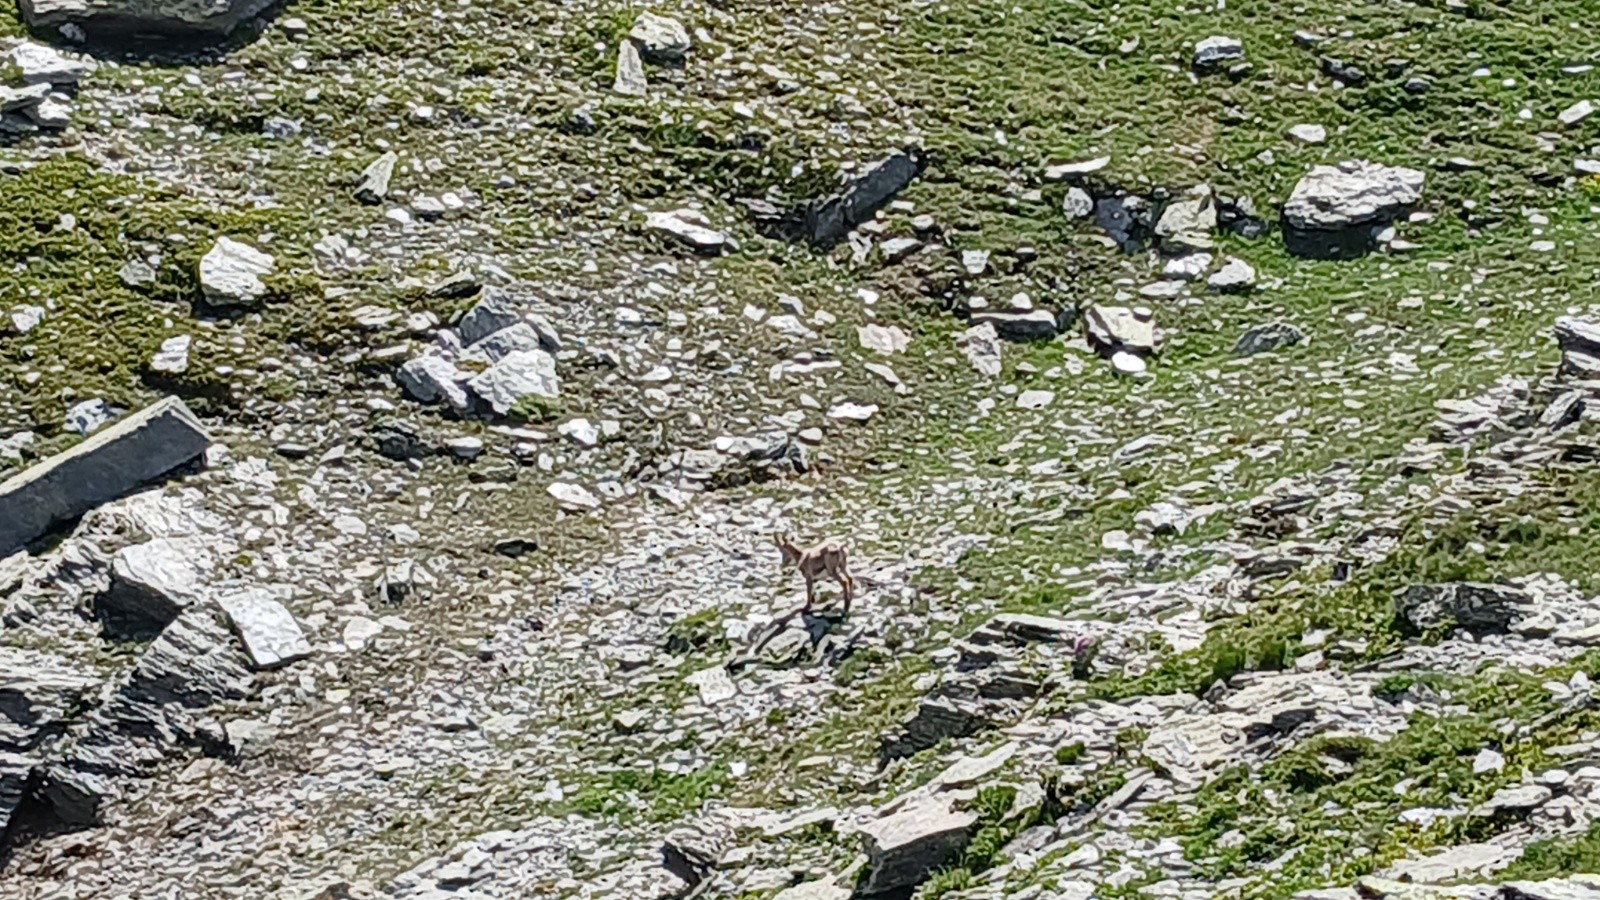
x,y
971,769
573,496
1579,340
688,227
903,849
1351,193
268,631
1112,328
375,178
122,20
495,310
428,379
882,338
522,373
1026,627
88,417
1517,799
1335,211
38,692
981,344
1077,204
714,685
1020,325
231,273
735,461
826,889
691,852
580,431
1186,224
24,98
1564,410
660,39
1478,608
45,65
935,719
15,770
159,709
630,80
50,113
1035,399
1263,338
896,249
828,220
503,343
1076,168
173,357
151,583
853,412
1216,50
1453,864
1235,276
110,463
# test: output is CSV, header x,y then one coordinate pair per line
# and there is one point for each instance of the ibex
x,y
829,557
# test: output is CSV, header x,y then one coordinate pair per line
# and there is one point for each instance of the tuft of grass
x,y
990,834
1070,753
653,794
696,633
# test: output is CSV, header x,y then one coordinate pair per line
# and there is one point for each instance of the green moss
x,y
533,408
858,664
100,332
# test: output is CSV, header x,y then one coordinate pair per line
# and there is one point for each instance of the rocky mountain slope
x,y
399,402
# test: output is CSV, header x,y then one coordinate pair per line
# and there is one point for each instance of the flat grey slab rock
x,y
267,629
111,463
828,220
1019,325
128,20
904,848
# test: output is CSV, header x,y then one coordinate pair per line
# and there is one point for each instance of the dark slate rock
x,y
112,462
157,712
934,720
1479,608
37,691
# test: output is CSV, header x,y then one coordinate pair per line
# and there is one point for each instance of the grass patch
x,y
1551,529
655,795
1326,811
697,632
1555,857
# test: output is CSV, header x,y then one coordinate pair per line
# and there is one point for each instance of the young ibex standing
x,y
829,557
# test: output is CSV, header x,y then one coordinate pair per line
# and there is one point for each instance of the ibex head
x,y
790,553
